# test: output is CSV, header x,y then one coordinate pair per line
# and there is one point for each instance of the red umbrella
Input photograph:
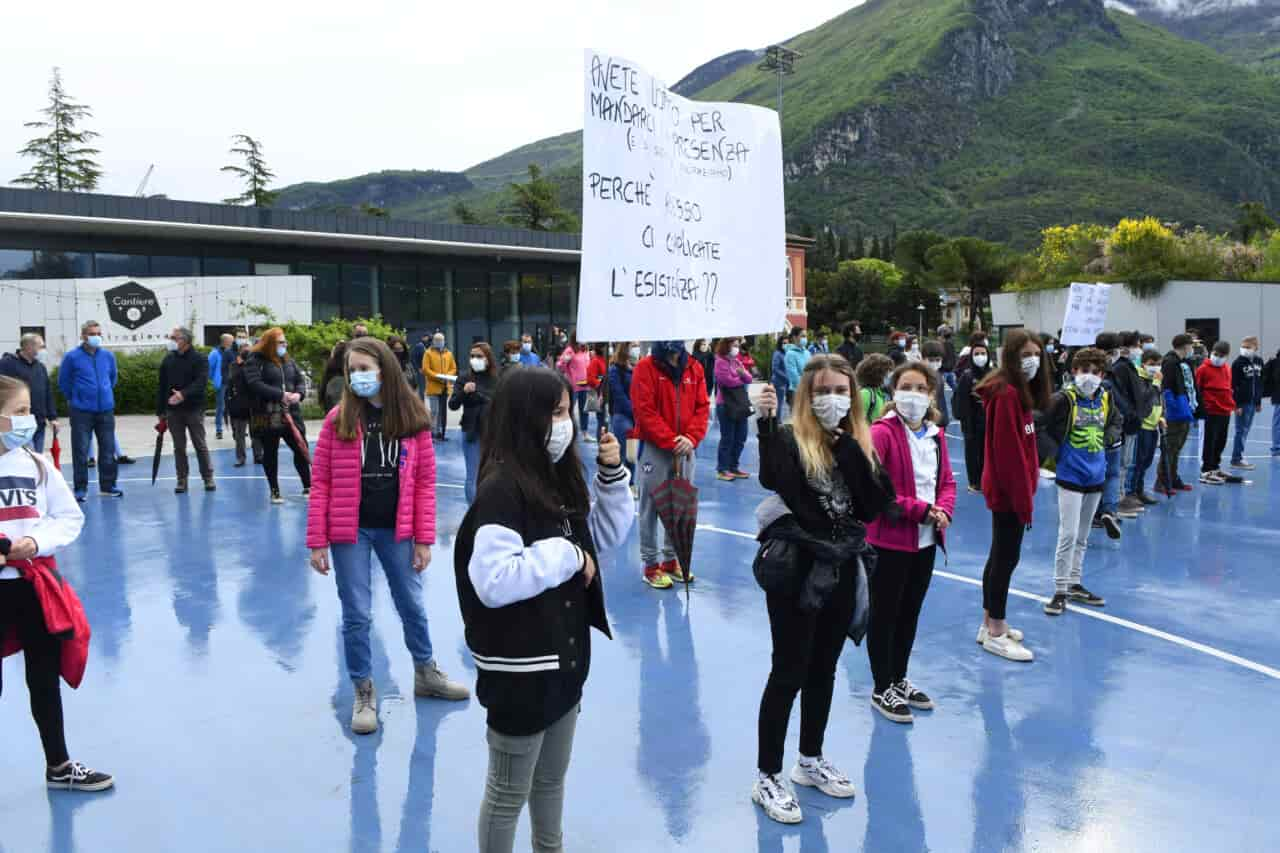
x,y
297,436
55,451
676,501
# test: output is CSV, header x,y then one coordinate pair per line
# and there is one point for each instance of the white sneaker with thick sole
x,y
824,776
1012,632
364,710
1008,648
772,794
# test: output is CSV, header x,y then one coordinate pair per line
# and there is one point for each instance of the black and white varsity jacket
x,y
524,601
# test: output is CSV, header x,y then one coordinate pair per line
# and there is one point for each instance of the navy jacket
x,y
620,393
88,379
1246,381
37,379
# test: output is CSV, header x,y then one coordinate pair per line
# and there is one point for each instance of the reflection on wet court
x,y
217,696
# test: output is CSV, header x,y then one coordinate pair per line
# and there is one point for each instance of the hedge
x,y
137,374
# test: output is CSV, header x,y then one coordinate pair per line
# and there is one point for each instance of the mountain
x,y
987,117
1245,30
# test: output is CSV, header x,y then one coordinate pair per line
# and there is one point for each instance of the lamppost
x,y
920,327
781,60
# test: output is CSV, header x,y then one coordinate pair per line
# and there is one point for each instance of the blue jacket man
x,y
220,359
796,358
528,357
87,378
27,364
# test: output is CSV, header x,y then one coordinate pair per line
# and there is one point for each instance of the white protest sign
x,y
683,232
1086,314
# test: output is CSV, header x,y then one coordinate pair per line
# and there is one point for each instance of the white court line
x,y
1177,640
239,477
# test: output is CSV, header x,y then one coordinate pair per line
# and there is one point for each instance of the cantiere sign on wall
x,y
132,312
683,232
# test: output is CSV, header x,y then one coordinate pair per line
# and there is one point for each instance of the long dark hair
x,y
403,414
336,365
1034,394
514,443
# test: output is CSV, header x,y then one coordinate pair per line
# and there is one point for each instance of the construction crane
x,y
142,187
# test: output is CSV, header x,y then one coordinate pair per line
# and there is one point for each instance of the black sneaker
x,y
1082,595
257,460
915,697
1147,499
210,485
181,488
125,460
1096,524
1057,605
892,705
239,463
218,436
74,776
1111,524
93,463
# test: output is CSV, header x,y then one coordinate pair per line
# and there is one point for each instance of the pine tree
x,y
875,248
254,173
859,244
465,214
536,205
891,251
830,251
844,248
63,159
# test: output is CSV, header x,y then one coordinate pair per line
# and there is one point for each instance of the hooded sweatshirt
x,y
1214,384
1012,469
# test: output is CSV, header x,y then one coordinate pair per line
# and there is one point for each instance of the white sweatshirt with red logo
x,y
45,511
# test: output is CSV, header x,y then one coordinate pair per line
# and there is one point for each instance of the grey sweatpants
x,y
654,468
1075,518
529,768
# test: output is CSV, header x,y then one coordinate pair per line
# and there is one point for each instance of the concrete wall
x,y
218,301
1241,308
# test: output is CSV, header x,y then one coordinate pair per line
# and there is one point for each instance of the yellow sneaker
x,y
672,569
655,577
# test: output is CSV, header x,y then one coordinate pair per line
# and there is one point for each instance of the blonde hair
x,y
811,438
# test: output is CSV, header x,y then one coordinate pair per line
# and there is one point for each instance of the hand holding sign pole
x,y
683,219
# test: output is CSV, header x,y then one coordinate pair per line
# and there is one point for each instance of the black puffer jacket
x,y
269,380
475,404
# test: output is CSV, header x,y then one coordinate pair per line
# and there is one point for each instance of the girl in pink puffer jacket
x,y
373,482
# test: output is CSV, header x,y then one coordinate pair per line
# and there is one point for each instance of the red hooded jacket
x,y
664,412
63,616
1214,387
1012,468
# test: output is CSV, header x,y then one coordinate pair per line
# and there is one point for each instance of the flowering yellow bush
x,y
1141,244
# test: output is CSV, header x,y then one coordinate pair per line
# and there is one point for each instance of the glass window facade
x,y
107,264
16,263
59,264
359,290
163,265
326,292
227,266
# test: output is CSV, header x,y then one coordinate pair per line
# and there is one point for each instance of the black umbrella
x,y
162,426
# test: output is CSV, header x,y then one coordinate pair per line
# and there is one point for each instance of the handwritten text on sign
x,y
1086,314
683,225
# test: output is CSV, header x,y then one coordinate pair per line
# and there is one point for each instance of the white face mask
x,y
560,438
42,356
979,361
830,409
634,352
733,352
935,364
1031,366
171,345
1218,360
1246,352
1088,383
479,364
912,404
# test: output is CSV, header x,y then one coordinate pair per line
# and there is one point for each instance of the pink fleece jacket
x,y
333,512
574,366
889,435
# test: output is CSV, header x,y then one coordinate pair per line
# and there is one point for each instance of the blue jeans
x,y
620,425
220,408
1244,422
1144,453
584,417
84,426
354,573
733,437
1275,428
1111,488
37,442
780,388
471,456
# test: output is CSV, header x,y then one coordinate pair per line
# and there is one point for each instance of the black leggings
x,y
1006,549
1216,428
42,654
806,648
271,458
974,450
898,588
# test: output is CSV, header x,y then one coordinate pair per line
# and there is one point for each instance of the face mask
x,y
1030,367
1148,346
526,347
365,383
94,341
888,382
513,357
171,345
42,356
21,431
1115,356
980,361
1088,383
803,341
830,409
936,365
912,404
1218,360
634,352
241,342
1246,352
438,344
281,350
902,343
733,352
1135,355
1049,347
479,364
564,339
560,438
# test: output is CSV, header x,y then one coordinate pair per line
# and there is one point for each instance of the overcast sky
x,y
336,89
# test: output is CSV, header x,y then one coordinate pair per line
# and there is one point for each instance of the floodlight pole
x,y
780,60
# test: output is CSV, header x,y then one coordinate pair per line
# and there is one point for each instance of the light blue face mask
x,y
22,429
94,341
281,350
365,383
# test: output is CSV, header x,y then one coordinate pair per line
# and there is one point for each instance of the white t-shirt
x,y
924,461
47,512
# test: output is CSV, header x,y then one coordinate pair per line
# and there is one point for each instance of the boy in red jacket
x,y
669,399
1213,384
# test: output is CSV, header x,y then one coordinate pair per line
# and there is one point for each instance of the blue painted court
x,y
217,696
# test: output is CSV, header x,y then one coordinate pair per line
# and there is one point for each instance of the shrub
x,y
137,375
1241,262
1270,270
310,345
1143,253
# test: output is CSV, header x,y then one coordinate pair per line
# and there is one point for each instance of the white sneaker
x,y
824,776
1012,632
772,794
364,711
589,438
1008,648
